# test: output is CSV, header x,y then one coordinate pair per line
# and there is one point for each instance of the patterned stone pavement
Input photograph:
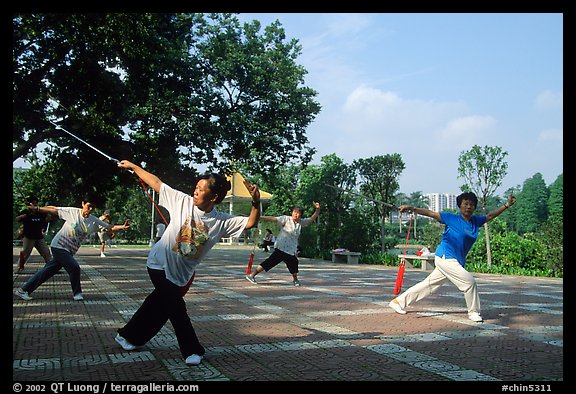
x,y
336,327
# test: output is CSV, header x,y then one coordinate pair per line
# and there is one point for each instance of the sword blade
x,y
84,142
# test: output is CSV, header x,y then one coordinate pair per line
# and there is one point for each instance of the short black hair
x,y
298,208
467,196
32,198
218,184
92,199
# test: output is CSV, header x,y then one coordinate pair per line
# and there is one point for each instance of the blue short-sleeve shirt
x,y
459,236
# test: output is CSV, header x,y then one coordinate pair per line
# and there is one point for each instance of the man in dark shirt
x,y
34,227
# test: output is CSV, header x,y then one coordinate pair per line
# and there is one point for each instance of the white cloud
x,y
548,100
349,23
385,116
551,136
464,132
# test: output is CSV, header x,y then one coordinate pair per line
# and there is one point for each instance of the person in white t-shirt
x,y
195,227
79,223
286,245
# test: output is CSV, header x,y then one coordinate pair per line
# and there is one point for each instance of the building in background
x,y
441,201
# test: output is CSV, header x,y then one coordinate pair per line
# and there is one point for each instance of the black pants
x,y
163,304
276,257
60,258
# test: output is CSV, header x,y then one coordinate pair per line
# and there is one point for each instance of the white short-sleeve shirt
x,y
189,236
287,240
75,229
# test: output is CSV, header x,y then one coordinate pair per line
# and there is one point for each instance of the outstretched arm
x,y
50,209
495,213
117,227
268,218
420,211
150,179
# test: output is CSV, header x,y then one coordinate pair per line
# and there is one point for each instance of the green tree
x,y
170,90
555,201
483,169
551,252
531,208
379,181
341,223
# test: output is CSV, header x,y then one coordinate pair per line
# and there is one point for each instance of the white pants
x,y
446,270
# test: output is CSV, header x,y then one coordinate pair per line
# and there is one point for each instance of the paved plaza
x,y
336,327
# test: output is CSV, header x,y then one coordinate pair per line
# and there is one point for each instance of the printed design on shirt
x,y
190,239
72,239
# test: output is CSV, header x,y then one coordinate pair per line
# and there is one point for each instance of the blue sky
x,y
430,85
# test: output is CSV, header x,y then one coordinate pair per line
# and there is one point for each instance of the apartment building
x,y
441,201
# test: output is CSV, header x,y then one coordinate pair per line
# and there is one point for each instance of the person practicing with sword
x,y
195,227
286,244
79,223
460,233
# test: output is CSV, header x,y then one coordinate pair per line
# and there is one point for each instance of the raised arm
x,y
150,179
316,212
255,211
420,211
495,213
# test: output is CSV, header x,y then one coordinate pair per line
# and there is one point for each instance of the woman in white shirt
x,y
286,245
195,227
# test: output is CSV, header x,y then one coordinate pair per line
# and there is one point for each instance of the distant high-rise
x,y
441,201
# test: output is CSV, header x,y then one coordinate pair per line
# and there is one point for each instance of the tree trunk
x,y
382,233
488,251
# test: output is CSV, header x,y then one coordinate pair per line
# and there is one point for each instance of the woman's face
x,y
296,215
467,208
203,197
87,208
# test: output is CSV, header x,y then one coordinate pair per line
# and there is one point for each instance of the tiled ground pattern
x,y
335,327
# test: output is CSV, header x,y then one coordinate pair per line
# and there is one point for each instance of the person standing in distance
x,y
34,226
460,233
286,245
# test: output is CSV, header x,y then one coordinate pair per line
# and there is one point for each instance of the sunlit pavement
x,y
336,327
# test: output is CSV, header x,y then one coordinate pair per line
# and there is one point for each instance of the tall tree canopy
x,y
175,91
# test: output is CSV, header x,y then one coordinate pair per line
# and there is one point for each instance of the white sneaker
x,y
78,297
475,317
193,359
102,254
396,306
124,343
23,294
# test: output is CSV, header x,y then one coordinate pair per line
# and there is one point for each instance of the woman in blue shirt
x,y
460,233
